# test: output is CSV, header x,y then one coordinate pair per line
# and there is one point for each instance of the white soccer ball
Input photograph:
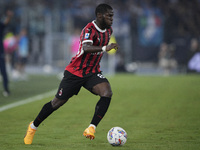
x,y
117,136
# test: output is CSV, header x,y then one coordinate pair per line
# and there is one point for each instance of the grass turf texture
x,y
37,84
158,113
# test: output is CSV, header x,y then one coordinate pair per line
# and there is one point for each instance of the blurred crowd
x,y
16,48
182,17
169,21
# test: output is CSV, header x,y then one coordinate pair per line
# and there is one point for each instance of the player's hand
x,y
111,46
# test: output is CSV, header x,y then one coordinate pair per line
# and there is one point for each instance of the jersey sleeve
x,y
88,34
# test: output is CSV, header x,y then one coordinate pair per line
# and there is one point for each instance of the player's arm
x,y
88,47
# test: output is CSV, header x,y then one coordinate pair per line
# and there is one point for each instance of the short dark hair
x,y
102,8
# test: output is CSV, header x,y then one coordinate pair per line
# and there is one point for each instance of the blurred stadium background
x,y
143,28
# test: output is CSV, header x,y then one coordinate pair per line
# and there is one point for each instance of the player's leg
x,y
4,76
65,91
46,110
105,93
103,89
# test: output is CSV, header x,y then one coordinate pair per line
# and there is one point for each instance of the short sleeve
x,y
88,35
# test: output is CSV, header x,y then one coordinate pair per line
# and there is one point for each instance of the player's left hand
x,y
111,46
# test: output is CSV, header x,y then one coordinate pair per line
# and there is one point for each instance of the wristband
x,y
104,48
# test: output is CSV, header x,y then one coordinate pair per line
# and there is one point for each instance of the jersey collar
x,y
100,30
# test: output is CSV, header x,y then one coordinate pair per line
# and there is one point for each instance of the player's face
x,y
108,18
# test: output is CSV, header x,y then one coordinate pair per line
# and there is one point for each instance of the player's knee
x,y
56,103
107,94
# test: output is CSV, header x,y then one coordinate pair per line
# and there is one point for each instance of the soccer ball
x,y
117,136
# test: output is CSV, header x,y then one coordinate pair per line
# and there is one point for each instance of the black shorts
x,y
71,84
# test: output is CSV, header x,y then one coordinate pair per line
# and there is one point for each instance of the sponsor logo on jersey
x,y
97,53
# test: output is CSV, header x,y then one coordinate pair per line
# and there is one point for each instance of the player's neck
x,y
99,25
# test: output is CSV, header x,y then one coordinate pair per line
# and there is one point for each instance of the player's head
x,y
102,8
104,14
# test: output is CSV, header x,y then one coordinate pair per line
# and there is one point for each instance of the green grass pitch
x,y
158,113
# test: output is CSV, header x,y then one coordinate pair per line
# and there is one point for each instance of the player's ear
x,y
99,15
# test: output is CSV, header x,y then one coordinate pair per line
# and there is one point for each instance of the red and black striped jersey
x,y
87,63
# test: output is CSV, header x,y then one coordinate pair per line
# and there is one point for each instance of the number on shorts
x,y
100,76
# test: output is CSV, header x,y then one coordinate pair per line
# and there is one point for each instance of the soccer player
x,y
9,15
84,70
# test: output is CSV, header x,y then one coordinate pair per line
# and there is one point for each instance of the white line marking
x,y
28,100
